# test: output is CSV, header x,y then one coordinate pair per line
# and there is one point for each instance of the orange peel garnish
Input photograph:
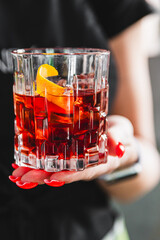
x,y
43,84
53,92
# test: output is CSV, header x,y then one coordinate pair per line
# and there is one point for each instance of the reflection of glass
x,y
61,104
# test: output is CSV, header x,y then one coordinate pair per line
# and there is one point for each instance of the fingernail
x,y
14,165
120,150
54,183
26,185
14,179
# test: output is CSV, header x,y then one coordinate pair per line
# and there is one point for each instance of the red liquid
x,y
48,130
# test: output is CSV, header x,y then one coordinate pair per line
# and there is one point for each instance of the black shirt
x,y
79,210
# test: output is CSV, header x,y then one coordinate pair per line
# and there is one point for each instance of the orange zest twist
x,y
53,92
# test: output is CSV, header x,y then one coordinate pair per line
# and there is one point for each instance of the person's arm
x,y
134,101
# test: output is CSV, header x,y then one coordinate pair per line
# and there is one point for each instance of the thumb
x,y
120,133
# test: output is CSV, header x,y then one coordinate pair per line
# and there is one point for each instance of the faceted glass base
x,y
53,164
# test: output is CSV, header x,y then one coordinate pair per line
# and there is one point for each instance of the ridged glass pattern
x,y
66,131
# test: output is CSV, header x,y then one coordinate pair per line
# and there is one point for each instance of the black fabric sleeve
x,y
116,15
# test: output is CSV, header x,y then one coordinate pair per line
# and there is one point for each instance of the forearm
x,y
133,188
134,101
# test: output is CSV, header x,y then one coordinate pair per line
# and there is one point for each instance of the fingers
x,y
120,133
37,176
54,183
20,171
67,176
14,165
115,148
122,122
121,141
120,128
28,178
17,176
26,185
32,178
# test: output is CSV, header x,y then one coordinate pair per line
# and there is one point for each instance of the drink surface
x,y
47,132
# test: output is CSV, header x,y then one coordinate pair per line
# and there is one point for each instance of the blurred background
x,y
143,216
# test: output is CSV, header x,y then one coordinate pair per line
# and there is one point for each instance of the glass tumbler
x,y
60,106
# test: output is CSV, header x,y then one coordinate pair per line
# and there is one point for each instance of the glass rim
x,y
76,51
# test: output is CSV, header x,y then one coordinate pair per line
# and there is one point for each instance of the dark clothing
x,y
79,210
116,15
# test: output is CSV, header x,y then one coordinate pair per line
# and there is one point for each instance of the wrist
x,y
130,165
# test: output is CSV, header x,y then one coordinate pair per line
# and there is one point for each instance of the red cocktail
x,y
60,126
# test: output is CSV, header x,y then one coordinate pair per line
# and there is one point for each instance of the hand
x,y
122,152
